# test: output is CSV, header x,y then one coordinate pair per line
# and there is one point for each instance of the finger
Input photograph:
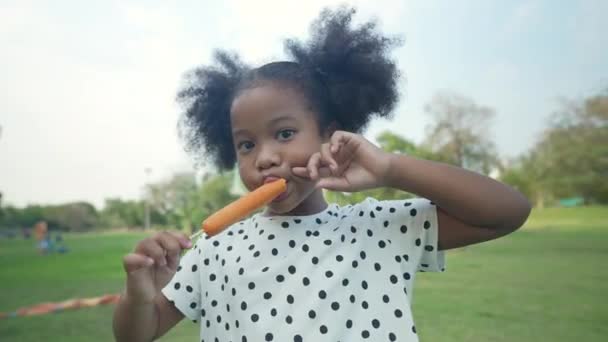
x,y
300,171
313,165
333,183
328,159
184,242
133,262
336,141
172,247
151,248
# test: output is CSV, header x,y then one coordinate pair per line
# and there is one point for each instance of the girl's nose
x,y
268,157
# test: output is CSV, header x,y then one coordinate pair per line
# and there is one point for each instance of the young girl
x,y
306,270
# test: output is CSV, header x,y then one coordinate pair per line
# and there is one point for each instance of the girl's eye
x,y
286,134
245,146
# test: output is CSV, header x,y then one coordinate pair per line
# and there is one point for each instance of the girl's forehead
x,y
266,103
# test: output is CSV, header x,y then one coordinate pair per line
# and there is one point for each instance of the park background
x,y
88,144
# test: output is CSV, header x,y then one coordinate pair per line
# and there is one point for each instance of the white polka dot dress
x,y
344,274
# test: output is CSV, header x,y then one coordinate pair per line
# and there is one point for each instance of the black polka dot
x,y
315,260
214,303
360,213
292,243
267,295
372,215
288,319
364,285
285,225
393,279
398,313
275,251
177,286
413,212
413,329
251,285
327,242
364,305
392,210
407,204
189,288
179,268
256,254
216,243
271,237
375,323
203,313
345,282
377,266
192,305
269,337
305,281
349,324
297,220
318,220
385,298
323,329
241,271
427,224
392,337
329,274
428,248
265,269
322,294
291,269
352,298
290,299
305,247
339,258
335,306
362,255
212,277
381,244
273,312
312,314
370,233
219,319
404,229
280,278
353,229
418,242
243,306
385,224
255,318
316,233
297,338
406,276
397,258
308,233
365,334
194,268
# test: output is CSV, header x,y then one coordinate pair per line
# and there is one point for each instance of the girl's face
x,y
274,130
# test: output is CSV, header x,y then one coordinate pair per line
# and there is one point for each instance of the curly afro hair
x,y
344,72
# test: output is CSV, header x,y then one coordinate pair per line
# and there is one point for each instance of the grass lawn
x,y
547,282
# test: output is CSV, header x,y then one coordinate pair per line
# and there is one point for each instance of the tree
x,y
458,132
571,157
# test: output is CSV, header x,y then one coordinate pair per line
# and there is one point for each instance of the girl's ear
x,y
329,131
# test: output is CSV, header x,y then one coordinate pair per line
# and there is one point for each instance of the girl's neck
x,y
313,204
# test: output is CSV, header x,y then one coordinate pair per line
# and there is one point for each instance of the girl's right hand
x,y
152,265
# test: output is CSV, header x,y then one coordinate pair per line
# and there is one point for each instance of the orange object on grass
x,y
242,207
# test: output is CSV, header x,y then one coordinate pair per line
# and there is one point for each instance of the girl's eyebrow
x,y
273,121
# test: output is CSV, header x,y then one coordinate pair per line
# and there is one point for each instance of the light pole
x,y
147,199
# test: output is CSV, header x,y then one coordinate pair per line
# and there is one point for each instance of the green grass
x,y
546,282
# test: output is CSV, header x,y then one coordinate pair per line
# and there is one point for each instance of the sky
x,y
87,88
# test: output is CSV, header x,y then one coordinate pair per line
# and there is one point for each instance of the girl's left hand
x,y
348,163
